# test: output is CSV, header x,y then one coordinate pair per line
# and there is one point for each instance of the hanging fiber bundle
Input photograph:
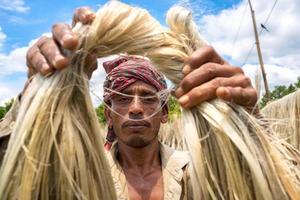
x,y
284,118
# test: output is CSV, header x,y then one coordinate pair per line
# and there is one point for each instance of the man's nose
x,y
136,106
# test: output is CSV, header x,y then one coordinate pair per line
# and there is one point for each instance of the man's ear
x,y
107,114
165,113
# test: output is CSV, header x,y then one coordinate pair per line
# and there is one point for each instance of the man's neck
x,y
140,160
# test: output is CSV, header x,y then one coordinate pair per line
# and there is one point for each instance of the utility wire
x,y
261,30
270,13
239,28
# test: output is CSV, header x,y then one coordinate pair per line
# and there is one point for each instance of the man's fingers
x,y
207,72
45,57
85,15
210,90
197,95
51,52
36,62
62,33
201,56
241,96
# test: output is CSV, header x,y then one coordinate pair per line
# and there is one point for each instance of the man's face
x,y
136,118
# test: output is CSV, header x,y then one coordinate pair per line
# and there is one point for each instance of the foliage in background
x,y
174,108
280,91
4,109
100,113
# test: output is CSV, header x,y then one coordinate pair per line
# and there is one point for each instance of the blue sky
x,y
226,24
21,27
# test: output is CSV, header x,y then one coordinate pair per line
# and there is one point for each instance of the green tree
x,y
280,91
174,108
4,109
100,113
297,84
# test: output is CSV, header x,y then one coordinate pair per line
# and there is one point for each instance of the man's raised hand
x,y
208,76
46,55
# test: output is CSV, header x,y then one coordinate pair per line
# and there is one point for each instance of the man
x,y
142,168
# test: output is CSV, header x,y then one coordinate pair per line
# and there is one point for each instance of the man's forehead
x,y
139,87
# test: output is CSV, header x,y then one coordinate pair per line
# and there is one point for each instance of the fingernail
x,y
223,93
184,100
179,92
58,58
67,37
67,40
59,61
186,69
90,16
45,69
226,92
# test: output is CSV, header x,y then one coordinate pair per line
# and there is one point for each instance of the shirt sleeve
x,y
7,124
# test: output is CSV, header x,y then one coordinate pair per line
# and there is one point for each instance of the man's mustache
x,y
136,123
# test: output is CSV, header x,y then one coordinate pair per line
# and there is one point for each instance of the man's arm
x,y
44,57
207,75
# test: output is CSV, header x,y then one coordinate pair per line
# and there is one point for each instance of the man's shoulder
x,y
172,158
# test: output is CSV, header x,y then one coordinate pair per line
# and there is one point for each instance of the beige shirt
x,y
174,170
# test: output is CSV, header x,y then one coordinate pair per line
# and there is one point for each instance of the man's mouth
x,y
136,124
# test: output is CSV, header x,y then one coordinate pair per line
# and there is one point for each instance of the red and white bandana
x,y
126,70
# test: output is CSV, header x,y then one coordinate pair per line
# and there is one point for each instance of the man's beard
x,y
139,142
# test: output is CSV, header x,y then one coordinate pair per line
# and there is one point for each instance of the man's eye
x,y
124,99
150,100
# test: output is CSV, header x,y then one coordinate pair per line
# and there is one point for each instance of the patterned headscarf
x,y
126,70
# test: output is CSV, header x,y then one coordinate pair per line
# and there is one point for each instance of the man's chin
x,y
137,142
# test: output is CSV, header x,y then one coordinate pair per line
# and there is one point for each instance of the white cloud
x,y
10,88
13,72
14,5
9,64
14,62
277,75
6,94
97,80
280,46
199,6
